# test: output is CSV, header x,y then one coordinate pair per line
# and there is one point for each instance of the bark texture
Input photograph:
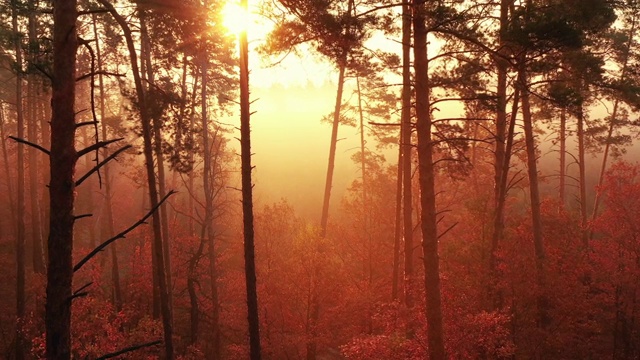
x,y
435,334
247,199
63,159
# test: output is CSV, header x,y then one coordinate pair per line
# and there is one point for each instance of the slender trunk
x,y
582,178
20,236
5,155
502,197
332,152
154,264
313,313
501,166
63,159
108,224
366,208
181,113
614,116
563,155
433,311
191,139
45,135
36,223
362,153
158,252
208,218
192,279
605,158
407,197
247,198
157,147
398,225
532,168
86,195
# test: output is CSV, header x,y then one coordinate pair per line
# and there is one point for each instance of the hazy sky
x,y
289,143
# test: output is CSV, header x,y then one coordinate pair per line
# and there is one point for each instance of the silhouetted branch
x,y
129,349
122,234
23,141
101,164
94,73
96,146
79,292
448,229
94,11
81,216
80,124
384,124
43,71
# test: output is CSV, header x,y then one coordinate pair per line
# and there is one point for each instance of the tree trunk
x,y
584,233
563,155
63,159
407,197
332,152
435,333
194,310
86,195
45,135
247,198
157,147
20,236
7,170
158,252
500,165
503,185
614,115
190,155
398,225
208,218
532,169
36,222
108,224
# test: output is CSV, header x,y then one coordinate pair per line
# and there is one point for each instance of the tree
x,y
20,236
108,224
247,197
428,215
158,252
406,148
33,86
623,43
63,157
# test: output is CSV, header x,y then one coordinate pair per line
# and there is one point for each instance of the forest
x,y
492,196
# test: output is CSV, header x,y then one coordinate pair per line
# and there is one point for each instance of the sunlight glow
x,y
236,19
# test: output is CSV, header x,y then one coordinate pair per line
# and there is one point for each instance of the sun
x,y
237,19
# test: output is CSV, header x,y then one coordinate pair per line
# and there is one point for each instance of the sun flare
x,y
237,19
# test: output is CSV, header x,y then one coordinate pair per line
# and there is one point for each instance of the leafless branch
x,y
129,349
94,11
96,146
23,141
94,73
85,123
101,164
121,235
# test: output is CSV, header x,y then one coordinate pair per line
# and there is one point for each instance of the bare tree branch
x,y
101,164
122,234
129,349
85,123
23,141
92,74
98,145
